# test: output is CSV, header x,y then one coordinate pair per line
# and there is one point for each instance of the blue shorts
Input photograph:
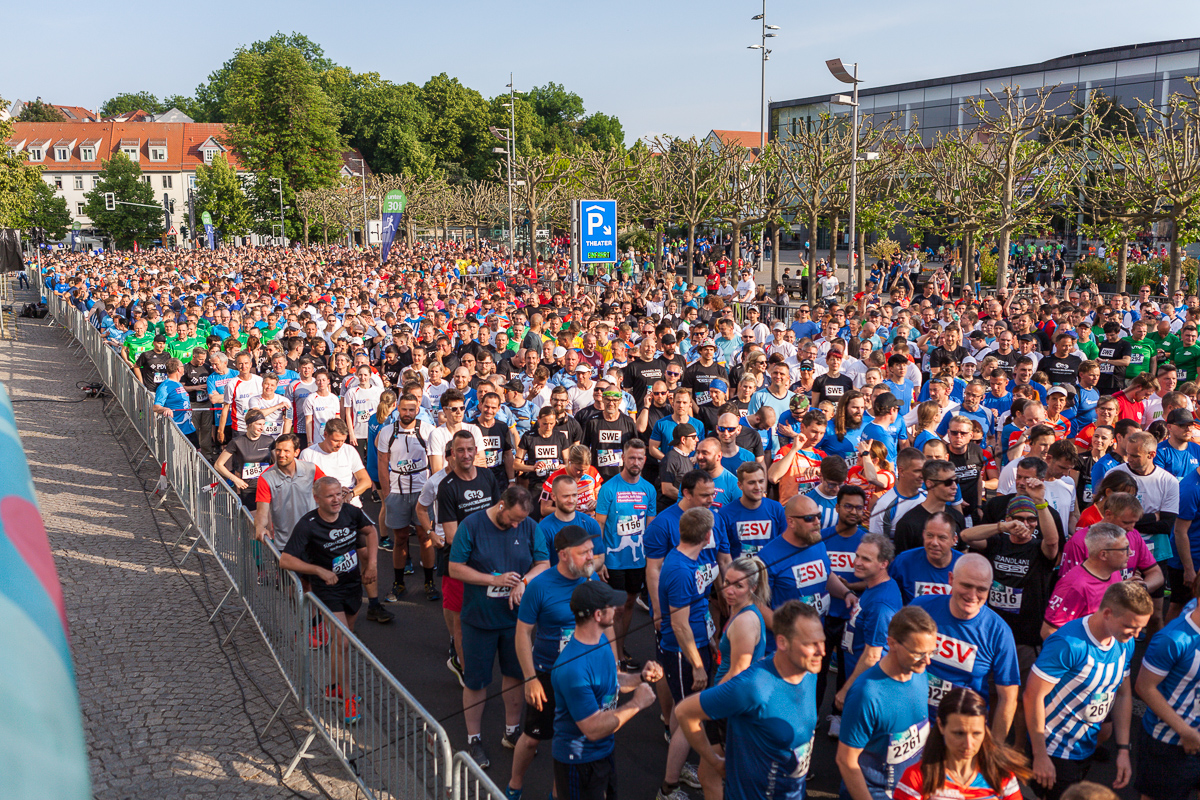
x,y
1164,771
480,647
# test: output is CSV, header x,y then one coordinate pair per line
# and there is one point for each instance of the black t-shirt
x,y
1008,361
996,509
392,373
197,375
1061,370
497,440
330,545
568,426
910,530
547,452
832,389
640,376
248,459
697,377
154,368
1021,581
458,498
586,414
671,470
1083,487
607,442
1112,378
968,469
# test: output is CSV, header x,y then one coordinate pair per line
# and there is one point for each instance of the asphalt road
x,y
414,647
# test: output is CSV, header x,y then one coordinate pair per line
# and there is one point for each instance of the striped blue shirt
x,y
1174,654
1086,676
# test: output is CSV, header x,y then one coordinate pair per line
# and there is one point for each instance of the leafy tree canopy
x,y
37,111
128,223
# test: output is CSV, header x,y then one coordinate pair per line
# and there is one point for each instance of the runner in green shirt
x,y
1164,340
138,342
1187,355
1143,352
1086,343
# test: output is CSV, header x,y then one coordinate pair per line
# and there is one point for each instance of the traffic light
x,y
110,201
172,207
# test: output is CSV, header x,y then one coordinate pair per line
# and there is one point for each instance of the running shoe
x,y
377,613
510,739
408,568
386,543
318,637
431,592
334,692
629,663
676,794
453,665
398,590
512,794
641,603
351,714
689,776
476,751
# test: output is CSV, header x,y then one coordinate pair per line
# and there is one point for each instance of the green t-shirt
x,y
1142,352
268,334
135,346
1090,349
156,328
180,348
1186,359
1166,343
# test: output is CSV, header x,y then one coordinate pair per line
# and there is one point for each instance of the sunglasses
x,y
809,518
454,409
947,482
722,429
674,374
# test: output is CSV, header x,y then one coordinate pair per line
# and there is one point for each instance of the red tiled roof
x,y
77,113
748,139
183,140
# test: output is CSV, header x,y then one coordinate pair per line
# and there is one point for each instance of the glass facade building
x,y
1149,72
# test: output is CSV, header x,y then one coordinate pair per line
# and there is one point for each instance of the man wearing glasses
x,y
941,487
797,563
971,467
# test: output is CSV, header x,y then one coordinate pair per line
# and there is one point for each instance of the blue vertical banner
x,y
394,203
206,218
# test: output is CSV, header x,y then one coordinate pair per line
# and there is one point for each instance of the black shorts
x,y
677,671
540,724
1181,592
1164,771
629,581
346,599
1067,772
591,780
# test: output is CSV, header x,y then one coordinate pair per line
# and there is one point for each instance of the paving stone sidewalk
x,y
167,711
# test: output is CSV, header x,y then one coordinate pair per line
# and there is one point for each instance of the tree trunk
x,y
834,224
812,259
861,252
1003,247
690,265
1123,264
305,232
1176,257
736,236
968,263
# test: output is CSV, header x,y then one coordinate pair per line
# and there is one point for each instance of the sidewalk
x,y
167,711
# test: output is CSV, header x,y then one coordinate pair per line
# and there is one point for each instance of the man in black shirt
x,y
338,547
497,439
833,385
1115,355
607,434
643,371
970,465
195,381
1061,366
151,366
940,488
560,401
703,372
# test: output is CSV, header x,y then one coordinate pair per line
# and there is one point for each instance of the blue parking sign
x,y
597,231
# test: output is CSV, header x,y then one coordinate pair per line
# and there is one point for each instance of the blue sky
x,y
662,67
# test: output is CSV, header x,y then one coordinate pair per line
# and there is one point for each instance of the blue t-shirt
x,y
847,448
887,719
1000,405
773,722
1102,467
749,530
1037,387
664,429
826,505
763,397
904,393
663,535
171,394
1172,656
797,573
916,576
891,436
550,525
1179,463
584,683
728,490
1084,412
1189,509
868,623
684,582
841,550
216,385
546,605
924,436
628,509
1086,676
373,427
731,463
983,415
968,650
479,544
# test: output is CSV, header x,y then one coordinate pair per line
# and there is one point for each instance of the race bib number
x,y
906,745
347,562
630,526
250,471
938,689
499,591
274,428
848,634
818,601
1136,359
608,458
710,626
703,398
159,377
803,759
705,575
564,636
201,397
1098,706
1004,598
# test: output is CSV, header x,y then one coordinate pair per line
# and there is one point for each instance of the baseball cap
x,y
807,366
718,384
703,345
779,326
583,368
1180,416
160,338
1062,390
514,386
571,536
669,338
683,430
591,596
356,340
559,352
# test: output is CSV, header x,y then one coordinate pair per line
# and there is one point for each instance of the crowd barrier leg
x,y
301,753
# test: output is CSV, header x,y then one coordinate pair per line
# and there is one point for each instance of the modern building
x,y
1149,72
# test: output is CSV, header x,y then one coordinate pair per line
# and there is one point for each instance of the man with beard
x,y
703,372
798,565
402,458
643,370
560,401
564,496
844,431
544,626
608,434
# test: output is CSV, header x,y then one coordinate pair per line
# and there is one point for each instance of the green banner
x,y
206,218
394,202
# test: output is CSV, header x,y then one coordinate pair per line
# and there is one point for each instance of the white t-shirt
x,y
580,398
1060,494
408,460
432,399
362,403
829,286
320,410
440,436
275,418
428,497
1158,491
341,465
891,508
240,391
745,286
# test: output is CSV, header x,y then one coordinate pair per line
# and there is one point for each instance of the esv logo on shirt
x,y
842,561
921,588
809,573
754,530
955,653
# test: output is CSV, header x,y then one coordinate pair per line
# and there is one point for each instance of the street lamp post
x,y
839,71
282,229
767,32
362,171
509,138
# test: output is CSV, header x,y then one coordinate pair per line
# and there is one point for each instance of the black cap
x,y
515,386
807,366
160,338
1180,416
592,596
684,429
571,536
668,338
1025,337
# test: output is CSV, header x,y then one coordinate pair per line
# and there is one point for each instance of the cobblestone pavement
x,y
167,711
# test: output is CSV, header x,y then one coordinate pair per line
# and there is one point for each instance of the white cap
x,y
559,352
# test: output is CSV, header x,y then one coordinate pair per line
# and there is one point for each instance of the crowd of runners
x,y
956,517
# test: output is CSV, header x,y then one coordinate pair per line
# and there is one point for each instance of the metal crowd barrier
x,y
397,749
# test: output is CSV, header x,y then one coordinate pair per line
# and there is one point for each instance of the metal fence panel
x,y
470,782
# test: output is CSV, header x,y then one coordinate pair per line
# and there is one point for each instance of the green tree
x,y
127,224
212,101
555,105
49,211
19,181
219,192
455,129
602,132
282,124
127,102
37,111
384,120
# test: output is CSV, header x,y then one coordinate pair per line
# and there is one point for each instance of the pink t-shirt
x,y
1076,595
1075,553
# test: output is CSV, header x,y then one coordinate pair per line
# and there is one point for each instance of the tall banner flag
x,y
206,218
393,211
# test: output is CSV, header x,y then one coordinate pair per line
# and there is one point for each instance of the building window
x,y
95,181
87,154
80,209
131,152
166,181
62,154
158,154
145,179
208,156
35,154
58,181
78,181
191,181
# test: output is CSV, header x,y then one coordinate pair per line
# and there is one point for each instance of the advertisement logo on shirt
x,y
955,653
754,530
809,574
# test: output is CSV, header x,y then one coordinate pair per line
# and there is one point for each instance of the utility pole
x,y
282,230
512,146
